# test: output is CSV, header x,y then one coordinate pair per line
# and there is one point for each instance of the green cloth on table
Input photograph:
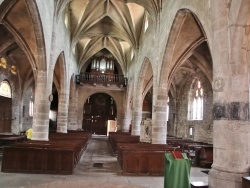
x,y
176,172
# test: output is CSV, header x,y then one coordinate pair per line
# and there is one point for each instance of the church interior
x,y
131,76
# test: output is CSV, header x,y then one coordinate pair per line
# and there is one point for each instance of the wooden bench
x,y
115,139
206,156
57,156
38,160
6,140
138,146
142,159
192,149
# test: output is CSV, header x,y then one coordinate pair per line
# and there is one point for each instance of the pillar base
x,y
218,179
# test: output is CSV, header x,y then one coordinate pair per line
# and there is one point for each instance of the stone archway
x,y
60,78
186,54
144,83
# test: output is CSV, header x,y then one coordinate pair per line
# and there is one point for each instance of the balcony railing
x,y
91,78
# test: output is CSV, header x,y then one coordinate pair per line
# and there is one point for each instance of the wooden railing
x,y
101,79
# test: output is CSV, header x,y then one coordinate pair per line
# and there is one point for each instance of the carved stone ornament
x,y
218,84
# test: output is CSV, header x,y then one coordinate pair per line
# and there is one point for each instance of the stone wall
x,y
5,74
171,117
27,119
203,129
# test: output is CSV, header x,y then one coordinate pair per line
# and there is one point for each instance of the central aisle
x,y
98,157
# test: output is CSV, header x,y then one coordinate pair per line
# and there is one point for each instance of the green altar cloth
x,y
176,171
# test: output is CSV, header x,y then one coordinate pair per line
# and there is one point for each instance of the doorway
x,y
5,114
99,109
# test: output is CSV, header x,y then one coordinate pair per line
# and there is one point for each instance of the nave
x,y
97,168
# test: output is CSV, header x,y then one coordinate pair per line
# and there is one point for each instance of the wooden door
x,y
5,114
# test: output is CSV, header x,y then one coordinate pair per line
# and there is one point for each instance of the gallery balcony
x,y
101,78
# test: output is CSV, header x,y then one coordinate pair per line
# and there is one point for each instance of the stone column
x,y
41,108
231,98
62,117
159,125
146,131
73,106
126,121
136,120
119,119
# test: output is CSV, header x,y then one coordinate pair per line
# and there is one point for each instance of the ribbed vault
x,y
109,24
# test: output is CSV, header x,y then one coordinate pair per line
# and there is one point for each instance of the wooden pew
x,y
143,159
6,140
115,139
206,156
193,151
38,160
57,156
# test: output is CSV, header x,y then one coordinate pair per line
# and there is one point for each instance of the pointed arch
x,y
173,59
145,77
39,35
34,48
60,73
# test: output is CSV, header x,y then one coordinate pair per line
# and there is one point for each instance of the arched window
x,y
31,108
5,89
31,105
195,103
168,109
146,23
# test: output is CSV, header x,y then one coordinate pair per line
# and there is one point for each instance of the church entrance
x,y
99,111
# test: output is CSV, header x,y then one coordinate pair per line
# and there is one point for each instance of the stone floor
x,y
98,168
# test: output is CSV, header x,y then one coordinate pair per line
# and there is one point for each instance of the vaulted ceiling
x,y
96,26
115,25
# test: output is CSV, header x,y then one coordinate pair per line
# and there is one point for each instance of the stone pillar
x,y
41,108
62,117
126,121
136,121
231,98
146,131
73,106
159,126
119,119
